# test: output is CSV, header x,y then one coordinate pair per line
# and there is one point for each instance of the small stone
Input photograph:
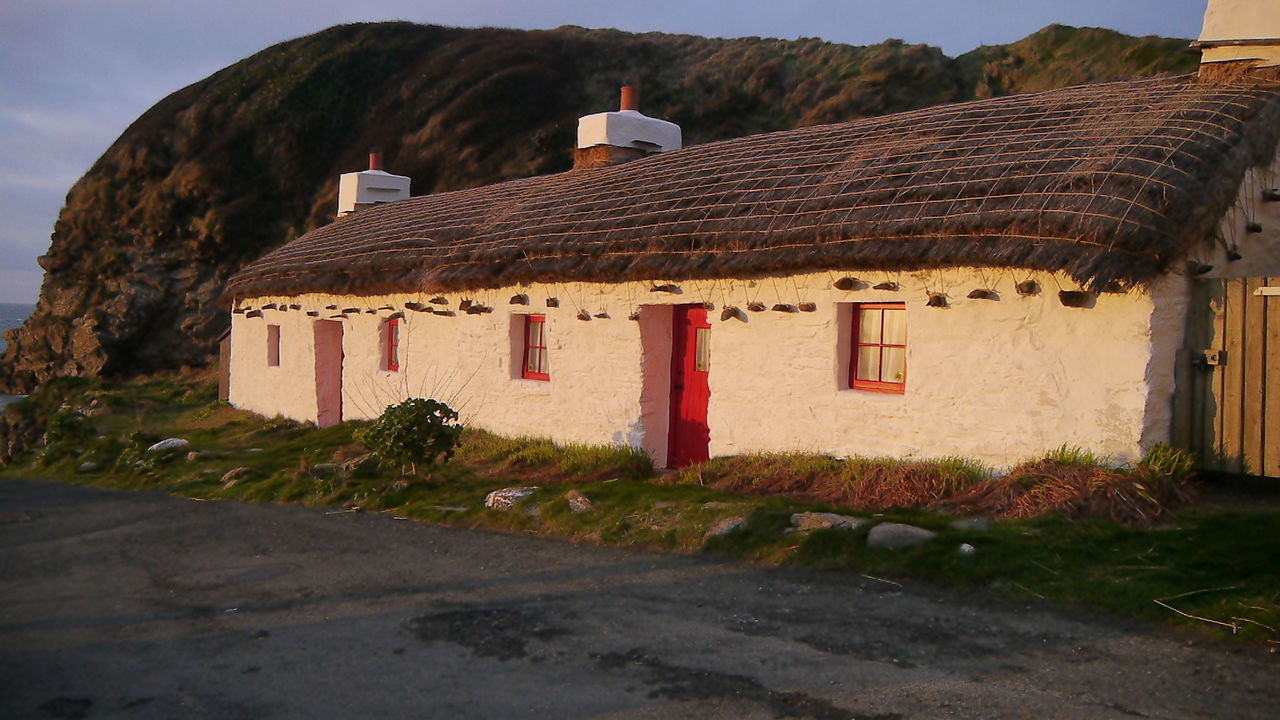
x,y
85,468
716,505
973,524
506,498
169,444
362,466
967,549
195,456
663,504
326,470
724,526
578,502
232,477
534,511
448,508
806,521
898,535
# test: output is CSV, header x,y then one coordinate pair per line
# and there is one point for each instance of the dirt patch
x,y
683,683
498,632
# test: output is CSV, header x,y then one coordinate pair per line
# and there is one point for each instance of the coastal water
x,y
12,315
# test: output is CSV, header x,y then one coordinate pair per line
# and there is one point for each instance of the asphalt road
x,y
138,605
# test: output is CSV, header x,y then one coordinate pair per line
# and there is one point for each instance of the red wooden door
x,y
328,335
690,365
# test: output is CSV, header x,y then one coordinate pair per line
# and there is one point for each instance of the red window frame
x,y
273,346
391,351
543,370
881,385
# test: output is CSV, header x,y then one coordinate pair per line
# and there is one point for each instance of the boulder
x,y
806,521
232,477
362,466
86,468
898,535
506,498
967,549
578,502
724,526
169,444
973,524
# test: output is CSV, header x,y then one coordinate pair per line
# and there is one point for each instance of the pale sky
x,y
75,73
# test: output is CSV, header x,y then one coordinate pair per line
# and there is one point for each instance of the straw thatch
x,y
1105,182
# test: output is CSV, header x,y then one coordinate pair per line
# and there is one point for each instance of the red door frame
x,y
689,435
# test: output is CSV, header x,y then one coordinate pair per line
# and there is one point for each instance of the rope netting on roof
x,y
1104,182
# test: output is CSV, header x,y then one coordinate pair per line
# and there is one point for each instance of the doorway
x,y
328,372
689,436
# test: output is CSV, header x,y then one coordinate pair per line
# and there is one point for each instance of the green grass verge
x,y
1216,571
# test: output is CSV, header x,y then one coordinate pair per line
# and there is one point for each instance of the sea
x,y
12,315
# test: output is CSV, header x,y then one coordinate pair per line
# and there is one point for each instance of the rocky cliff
x,y
228,168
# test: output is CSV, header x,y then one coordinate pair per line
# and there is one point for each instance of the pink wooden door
x,y
690,365
328,372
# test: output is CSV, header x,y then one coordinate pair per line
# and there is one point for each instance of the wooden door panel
x,y
690,436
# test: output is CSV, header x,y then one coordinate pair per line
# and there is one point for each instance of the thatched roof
x,y
1104,182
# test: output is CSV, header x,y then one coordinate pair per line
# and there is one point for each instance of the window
x,y
879,359
273,345
536,364
391,345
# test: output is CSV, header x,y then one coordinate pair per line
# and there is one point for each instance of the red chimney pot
x,y
375,159
630,98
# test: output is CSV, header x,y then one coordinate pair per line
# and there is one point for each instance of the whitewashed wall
x,y
995,380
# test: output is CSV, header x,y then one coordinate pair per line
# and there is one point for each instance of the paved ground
x,y
144,606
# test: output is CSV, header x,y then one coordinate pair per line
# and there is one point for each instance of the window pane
x,y
702,362
869,326
544,362
532,363
868,363
535,333
895,328
894,367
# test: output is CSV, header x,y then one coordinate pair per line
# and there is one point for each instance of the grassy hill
x,y
224,170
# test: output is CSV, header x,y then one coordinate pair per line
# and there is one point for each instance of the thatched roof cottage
x,y
990,279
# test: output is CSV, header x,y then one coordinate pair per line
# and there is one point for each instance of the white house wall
x,y
995,380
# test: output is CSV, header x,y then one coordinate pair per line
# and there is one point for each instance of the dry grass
x,y
1068,481
1139,497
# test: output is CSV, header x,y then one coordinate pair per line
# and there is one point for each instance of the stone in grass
x,y
169,444
195,456
506,498
578,502
326,470
716,505
234,476
724,526
362,466
897,535
806,521
86,468
973,524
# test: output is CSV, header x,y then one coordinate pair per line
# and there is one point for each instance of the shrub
x,y
66,432
415,432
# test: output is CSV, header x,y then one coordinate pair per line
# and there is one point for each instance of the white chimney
x,y
359,190
635,134
1242,32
